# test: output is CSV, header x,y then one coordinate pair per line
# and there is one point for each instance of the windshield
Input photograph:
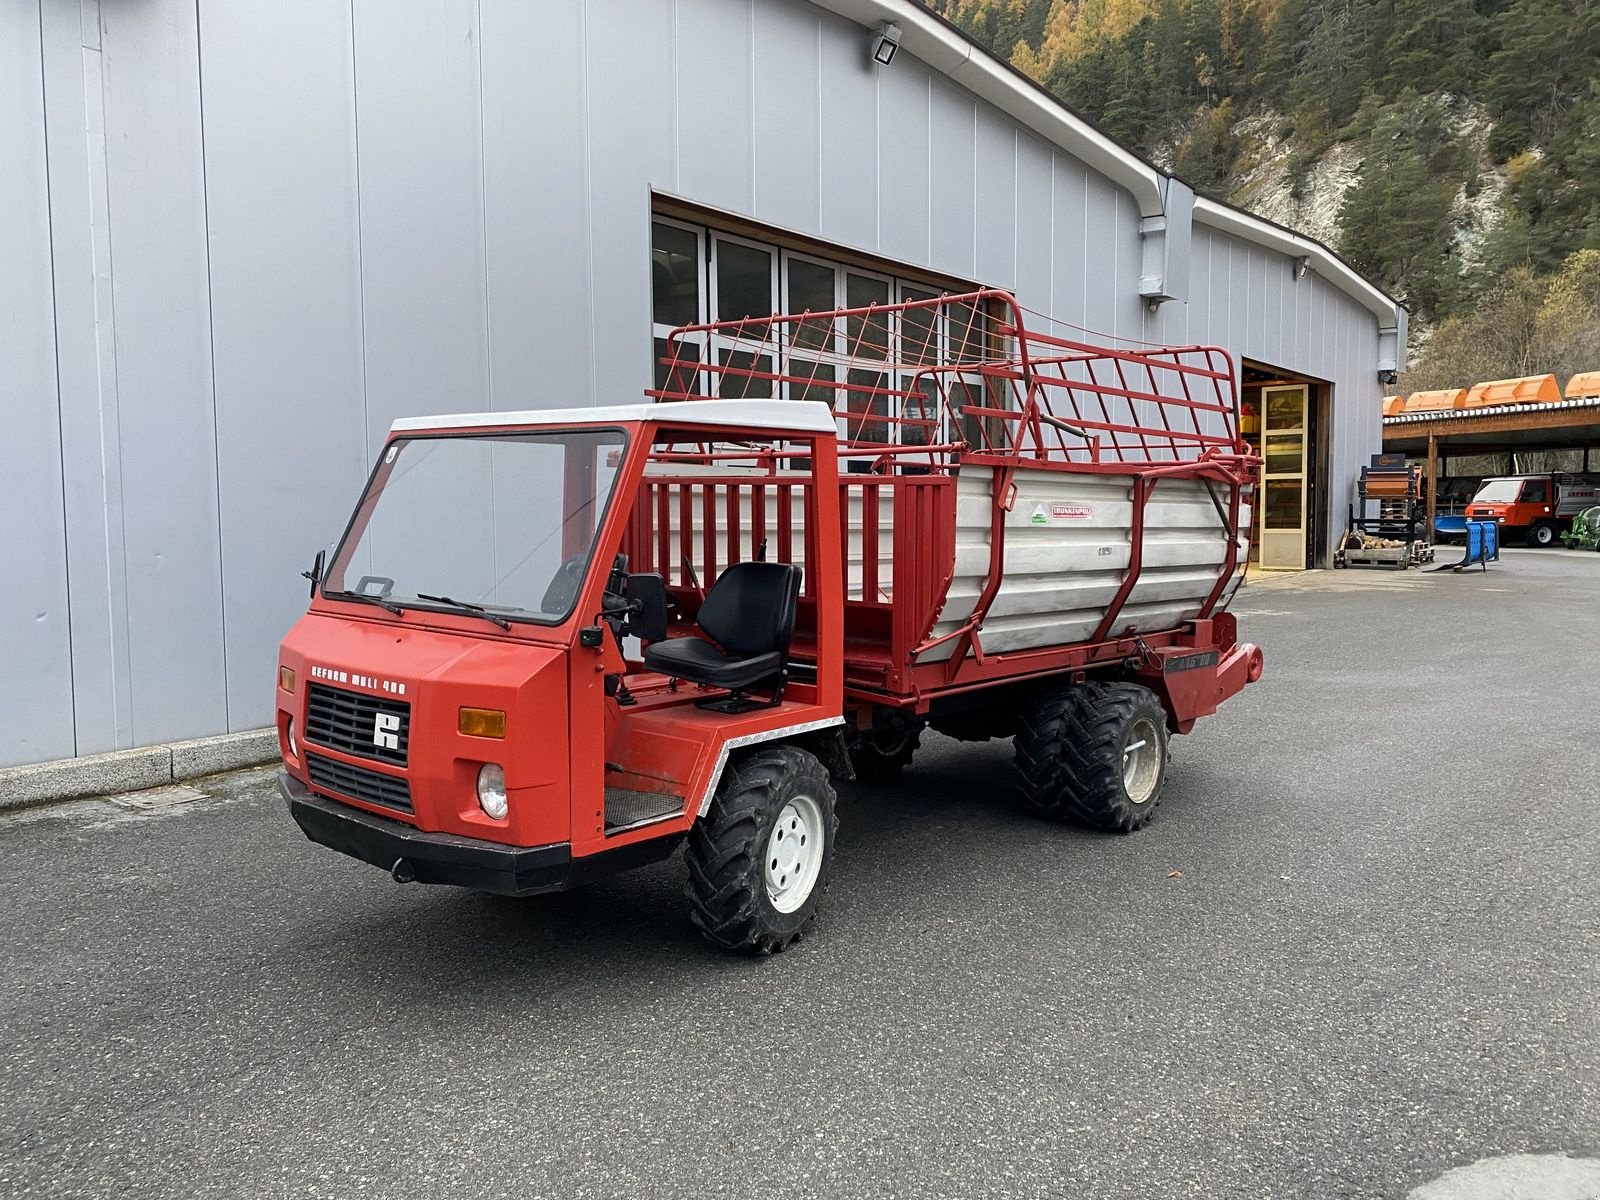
x,y
1499,491
505,521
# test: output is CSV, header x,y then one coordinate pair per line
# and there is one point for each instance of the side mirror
x,y
315,574
648,621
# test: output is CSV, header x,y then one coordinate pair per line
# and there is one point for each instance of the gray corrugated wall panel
x,y
422,269
903,149
1068,282
787,74
849,137
1276,280
997,217
80,239
535,168
631,150
155,185
1130,306
1100,256
35,642
285,313
1255,300
1035,235
1303,314
952,191
1238,301
715,90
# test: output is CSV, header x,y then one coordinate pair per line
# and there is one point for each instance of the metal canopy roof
x,y
1564,424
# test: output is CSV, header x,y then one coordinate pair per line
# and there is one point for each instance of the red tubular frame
x,y
1043,401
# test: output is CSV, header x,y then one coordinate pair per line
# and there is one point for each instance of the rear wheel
x,y
1095,754
1542,535
759,860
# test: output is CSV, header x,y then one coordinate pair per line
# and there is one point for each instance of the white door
x,y
1283,476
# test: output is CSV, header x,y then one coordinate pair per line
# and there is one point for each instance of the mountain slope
x,y
1439,145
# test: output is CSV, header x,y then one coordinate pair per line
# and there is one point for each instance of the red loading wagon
x,y
555,644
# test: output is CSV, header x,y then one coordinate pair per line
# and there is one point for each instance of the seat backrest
x,y
750,608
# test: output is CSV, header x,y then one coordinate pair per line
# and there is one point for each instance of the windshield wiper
x,y
362,598
476,610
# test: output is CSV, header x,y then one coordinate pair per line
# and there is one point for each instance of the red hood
x,y
436,673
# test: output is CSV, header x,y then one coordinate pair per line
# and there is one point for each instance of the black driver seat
x,y
749,613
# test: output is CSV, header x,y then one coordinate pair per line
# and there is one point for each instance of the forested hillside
x,y
1449,149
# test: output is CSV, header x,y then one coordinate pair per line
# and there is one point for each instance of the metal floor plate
x,y
626,808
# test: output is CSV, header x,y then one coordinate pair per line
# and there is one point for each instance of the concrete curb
x,y
134,770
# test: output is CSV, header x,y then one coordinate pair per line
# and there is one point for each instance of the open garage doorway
x,y
1282,414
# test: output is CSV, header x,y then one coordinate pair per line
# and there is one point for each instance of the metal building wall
x,y
241,240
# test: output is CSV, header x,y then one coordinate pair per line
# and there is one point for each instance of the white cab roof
x,y
795,416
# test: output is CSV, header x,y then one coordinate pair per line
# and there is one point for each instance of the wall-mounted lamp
x,y
1301,266
1388,378
885,44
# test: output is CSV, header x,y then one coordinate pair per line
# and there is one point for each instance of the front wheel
x,y
1095,754
759,860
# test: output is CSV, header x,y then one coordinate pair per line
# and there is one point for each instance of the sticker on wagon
x,y
1072,512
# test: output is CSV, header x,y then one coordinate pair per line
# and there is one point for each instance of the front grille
x,y
355,723
359,783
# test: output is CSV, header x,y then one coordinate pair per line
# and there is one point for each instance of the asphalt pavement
x,y
1358,947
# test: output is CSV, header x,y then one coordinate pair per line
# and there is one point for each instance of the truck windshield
x,y
1499,491
501,521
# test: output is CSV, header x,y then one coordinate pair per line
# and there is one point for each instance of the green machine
x,y
1585,531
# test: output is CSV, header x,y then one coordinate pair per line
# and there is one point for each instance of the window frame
x,y
709,240
702,298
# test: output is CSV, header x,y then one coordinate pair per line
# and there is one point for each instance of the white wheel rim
x,y
1141,761
794,854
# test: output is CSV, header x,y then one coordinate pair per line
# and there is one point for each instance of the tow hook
x,y
403,871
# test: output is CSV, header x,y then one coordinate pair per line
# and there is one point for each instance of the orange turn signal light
x,y
482,722
286,679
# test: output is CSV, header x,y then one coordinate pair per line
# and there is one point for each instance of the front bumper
x,y
411,854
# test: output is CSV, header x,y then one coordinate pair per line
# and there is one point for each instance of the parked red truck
x,y
1537,508
556,644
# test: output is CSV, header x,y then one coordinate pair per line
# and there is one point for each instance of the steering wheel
x,y
562,593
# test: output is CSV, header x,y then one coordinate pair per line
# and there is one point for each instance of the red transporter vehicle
x,y
553,645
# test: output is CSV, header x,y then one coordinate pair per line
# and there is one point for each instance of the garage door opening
x,y
1282,415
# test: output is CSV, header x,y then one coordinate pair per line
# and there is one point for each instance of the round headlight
x,y
294,749
492,791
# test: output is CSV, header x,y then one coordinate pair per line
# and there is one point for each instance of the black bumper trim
x,y
448,858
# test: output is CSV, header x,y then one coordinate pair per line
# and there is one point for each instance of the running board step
x,y
628,809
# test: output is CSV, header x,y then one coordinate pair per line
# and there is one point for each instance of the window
x,y
677,297
700,275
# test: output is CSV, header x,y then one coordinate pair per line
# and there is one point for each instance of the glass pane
x,y
922,405
676,376
674,274
865,400
866,337
960,392
1281,507
919,344
811,381
811,289
734,386
966,337
1284,453
1286,410
529,505
744,283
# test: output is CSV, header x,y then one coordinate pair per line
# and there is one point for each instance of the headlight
x,y
288,732
492,791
